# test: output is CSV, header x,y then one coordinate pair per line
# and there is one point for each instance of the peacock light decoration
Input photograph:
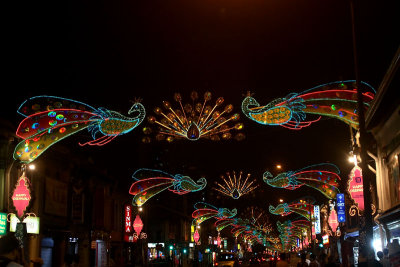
x,y
149,182
194,121
336,99
50,119
322,177
234,186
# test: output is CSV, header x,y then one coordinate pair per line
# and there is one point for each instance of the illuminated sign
x,y
32,224
317,222
196,236
325,239
138,224
341,208
3,223
21,195
356,188
128,219
332,220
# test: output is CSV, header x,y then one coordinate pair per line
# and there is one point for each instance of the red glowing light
x,y
22,195
138,224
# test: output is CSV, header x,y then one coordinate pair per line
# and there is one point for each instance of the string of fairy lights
x,y
50,119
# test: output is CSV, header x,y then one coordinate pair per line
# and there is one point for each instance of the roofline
x,y
387,79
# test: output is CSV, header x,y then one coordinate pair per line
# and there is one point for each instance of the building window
x,y
394,179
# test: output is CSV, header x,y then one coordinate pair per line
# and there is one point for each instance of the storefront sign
x,y
325,239
355,188
128,219
32,224
22,195
341,208
3,223
317,223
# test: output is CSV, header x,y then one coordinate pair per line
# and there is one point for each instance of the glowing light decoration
x,y
138,224
50,119
333,221
128,219
196,236
21,196
258,219
234,186
336,99
194,121
152,182
356,188
322,177
301,207
223,223
205,211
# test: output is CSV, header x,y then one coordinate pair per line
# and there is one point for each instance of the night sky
x,y
106,53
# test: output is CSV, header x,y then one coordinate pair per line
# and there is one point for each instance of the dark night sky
x,y
106,53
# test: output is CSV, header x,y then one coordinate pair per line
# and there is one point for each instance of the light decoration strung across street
x,y
258,219
50,119
204,211
336,99
223,223
151,182
234,186
302,207
194,121
322,177
21,195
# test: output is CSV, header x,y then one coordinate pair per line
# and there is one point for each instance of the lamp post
x,y
366,231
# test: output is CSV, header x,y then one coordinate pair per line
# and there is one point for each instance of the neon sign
x,y
317,223
356,188
3,223
332,220
341,209
128,219
138,224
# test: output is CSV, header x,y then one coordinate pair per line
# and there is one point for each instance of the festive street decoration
x,y
356,188
336,99
152,182
332,220
21,196
234,186
205,211
258,219
138,224
223,223
196,236
303,207
194,121
322,177
50,119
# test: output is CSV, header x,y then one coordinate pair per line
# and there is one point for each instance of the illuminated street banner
x,y
3,223
21,196
332,220
32,224
341,209
317,223
356,188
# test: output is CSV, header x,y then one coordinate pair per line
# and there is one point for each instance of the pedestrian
x,y
10,252
385,260
282,262
322,259
313,261
380,256
302,262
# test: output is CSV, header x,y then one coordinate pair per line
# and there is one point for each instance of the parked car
x,y
227,259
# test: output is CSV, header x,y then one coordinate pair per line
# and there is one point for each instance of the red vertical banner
x,y
128,219
356,188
